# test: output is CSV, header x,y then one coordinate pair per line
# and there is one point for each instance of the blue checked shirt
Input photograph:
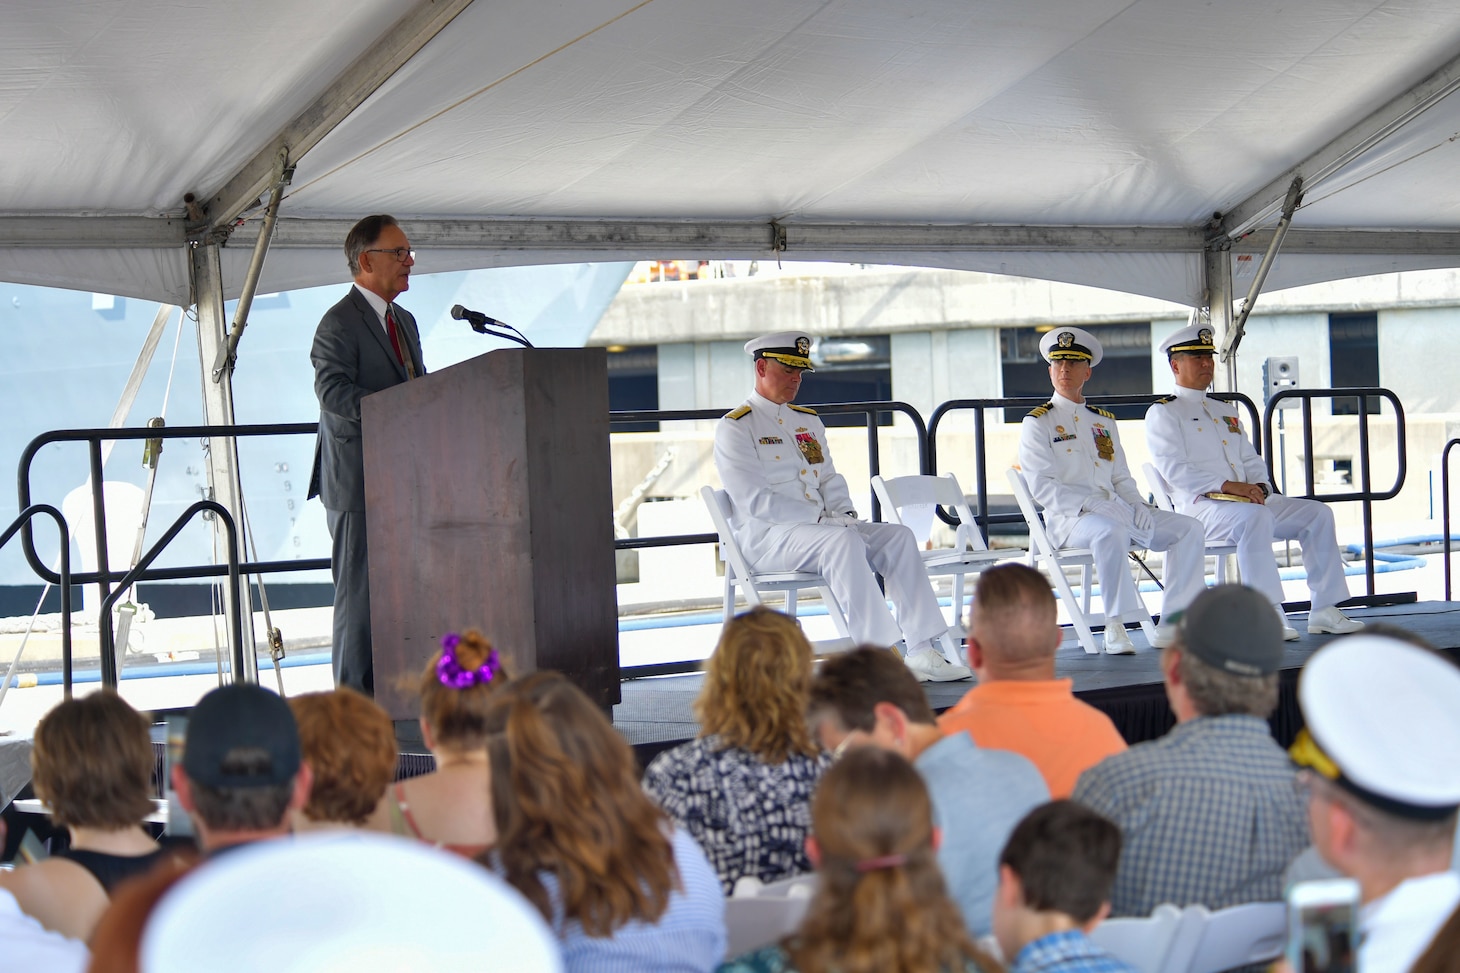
x,y
1067,952
1209,815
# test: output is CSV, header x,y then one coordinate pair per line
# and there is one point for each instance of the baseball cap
x,y
1232,628
241,716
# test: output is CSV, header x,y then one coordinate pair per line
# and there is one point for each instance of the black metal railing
x,y
110,667
980,441
63,578
1445,507
1366,494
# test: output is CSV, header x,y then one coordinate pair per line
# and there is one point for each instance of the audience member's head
x,y
1378,752
456,688
1055,872
756,684
882,903
1014,625
241,772
567,801
1226,655
349,743
869,696
363,904
92,763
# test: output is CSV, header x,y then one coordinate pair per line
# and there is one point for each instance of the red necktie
x,y
394,336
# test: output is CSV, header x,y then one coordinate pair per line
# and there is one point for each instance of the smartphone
x,y
1323,926
179,825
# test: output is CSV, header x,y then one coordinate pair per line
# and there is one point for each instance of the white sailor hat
x,y
787,347
1066,344
1195,339
363,903
1383,722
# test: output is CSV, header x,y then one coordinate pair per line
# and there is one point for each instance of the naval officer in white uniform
x,y
792,512
1071,457
1199,447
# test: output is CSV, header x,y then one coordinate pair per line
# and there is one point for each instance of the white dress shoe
x,y
1117,641
1331,621
928,665
1290,634
1165,635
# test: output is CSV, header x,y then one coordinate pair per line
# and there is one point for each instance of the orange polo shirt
x,y
1041,720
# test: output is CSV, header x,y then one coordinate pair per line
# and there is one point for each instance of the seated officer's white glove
x,y
838,520
1111,510
1141,517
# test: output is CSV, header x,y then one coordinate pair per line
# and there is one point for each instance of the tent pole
x,y
1217,271
1231,339
228,354
207,274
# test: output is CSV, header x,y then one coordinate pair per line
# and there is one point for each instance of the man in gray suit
x,y
364,343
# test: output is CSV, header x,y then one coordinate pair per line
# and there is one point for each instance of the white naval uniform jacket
x,y
775,464
1197,443
1069,462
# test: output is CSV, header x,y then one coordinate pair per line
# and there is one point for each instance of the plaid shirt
x,y
1209,815
1067,952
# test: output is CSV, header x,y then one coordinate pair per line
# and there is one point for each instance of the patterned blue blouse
x,y
749,816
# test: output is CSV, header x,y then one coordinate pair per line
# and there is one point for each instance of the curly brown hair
x,y
893,916
756,687
92,762
349,742
457,717
567,801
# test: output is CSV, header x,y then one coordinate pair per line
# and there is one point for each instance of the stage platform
x,y
658,713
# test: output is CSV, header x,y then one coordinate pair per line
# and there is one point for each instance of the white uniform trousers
x,y
846,556
1252,527
1180,537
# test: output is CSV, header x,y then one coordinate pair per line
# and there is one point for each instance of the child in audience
x,y
621,887
881,905
743,789
1055,877
451,806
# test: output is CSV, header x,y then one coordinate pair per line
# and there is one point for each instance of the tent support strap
x,y
207,274
228,353
1231,339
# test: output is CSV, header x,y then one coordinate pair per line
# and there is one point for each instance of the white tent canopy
x,y
1089,141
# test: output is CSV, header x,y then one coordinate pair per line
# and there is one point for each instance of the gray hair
x,y
362,237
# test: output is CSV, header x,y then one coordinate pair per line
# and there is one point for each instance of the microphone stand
x,y
512,335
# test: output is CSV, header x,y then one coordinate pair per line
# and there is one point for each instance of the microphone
x,y
482,324
476,319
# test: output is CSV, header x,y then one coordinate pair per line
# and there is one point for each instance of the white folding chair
x,y
752,584
1142,942
913,502
1161,492
1056,559
1241,935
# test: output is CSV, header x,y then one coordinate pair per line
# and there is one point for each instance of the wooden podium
x,y
489,499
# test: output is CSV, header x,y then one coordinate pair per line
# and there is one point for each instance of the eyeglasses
x,y
401,254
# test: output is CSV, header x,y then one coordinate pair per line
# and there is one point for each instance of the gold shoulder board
x,y
1099,411
1040,410
739,413
802,408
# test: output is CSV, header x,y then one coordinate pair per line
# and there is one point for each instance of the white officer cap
x,y
1195,339
357,903
1065,344
787,347
1383,722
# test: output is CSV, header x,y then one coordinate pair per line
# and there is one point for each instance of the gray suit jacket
x,y
352,357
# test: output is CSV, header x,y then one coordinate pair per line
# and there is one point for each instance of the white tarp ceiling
x,y
1081,140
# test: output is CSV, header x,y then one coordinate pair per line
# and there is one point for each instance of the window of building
x,y
1124,369
849,369
1353,355
633,384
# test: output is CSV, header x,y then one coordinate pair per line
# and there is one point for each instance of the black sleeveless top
x,y
112,870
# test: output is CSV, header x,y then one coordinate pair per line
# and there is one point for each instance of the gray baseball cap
x,y
1233,628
